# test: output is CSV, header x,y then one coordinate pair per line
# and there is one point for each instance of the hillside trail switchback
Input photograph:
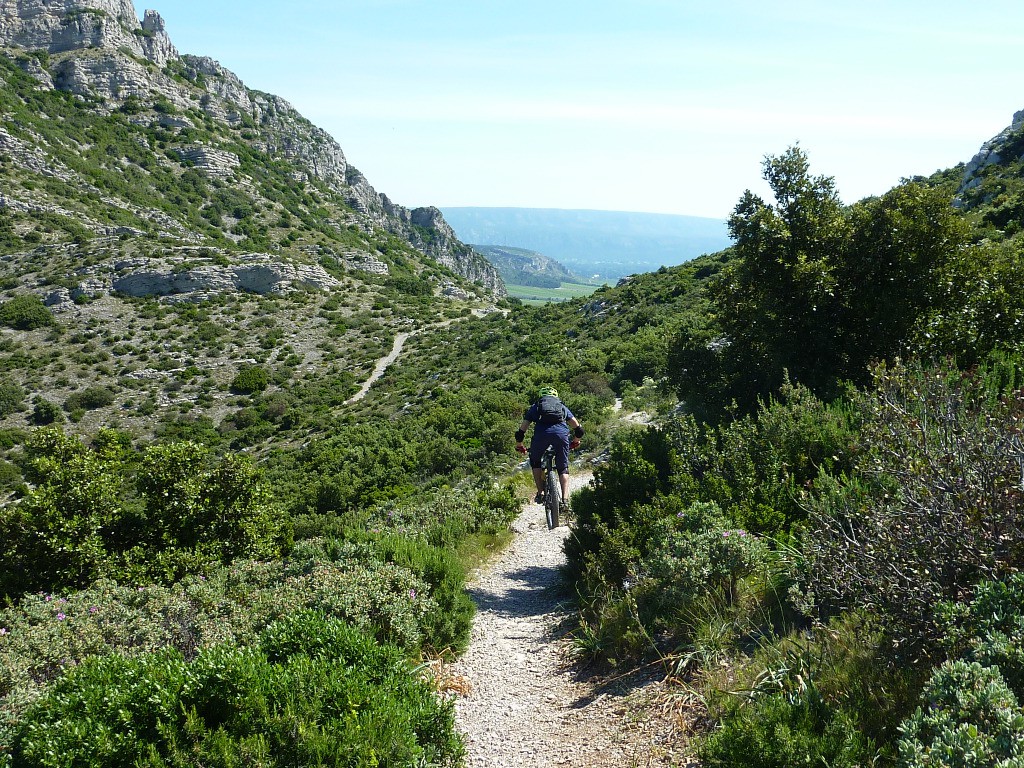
x,y
396,349
522,699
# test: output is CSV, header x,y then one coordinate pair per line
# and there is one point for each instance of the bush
x,y
250,380
314,692
46,634
447,629
932,507
990,629
12,398
778,731
25,312
89,399
91,514
970,718
701,556
44,412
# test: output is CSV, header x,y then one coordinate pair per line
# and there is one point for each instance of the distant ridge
x,y
605,244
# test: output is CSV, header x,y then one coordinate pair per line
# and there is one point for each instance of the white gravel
x,y
522,701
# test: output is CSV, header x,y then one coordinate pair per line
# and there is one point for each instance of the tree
x,y
820,290
775,309
904,250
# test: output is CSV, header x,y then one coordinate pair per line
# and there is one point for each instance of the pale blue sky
x,y
667,106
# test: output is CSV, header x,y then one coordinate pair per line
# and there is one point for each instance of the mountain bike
x,y
552,487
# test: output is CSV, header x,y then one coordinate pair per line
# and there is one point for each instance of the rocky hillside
x,y
990,187
176,228
185,114
520,266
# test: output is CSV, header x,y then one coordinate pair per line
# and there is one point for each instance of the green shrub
x,y
969,718
89,399
777,730
313,693
44,412
447,629
411,592
90,514
250,380
701,556
45,634
989,629
12,398
25,312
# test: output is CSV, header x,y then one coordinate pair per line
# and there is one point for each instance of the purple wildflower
x,y
61,617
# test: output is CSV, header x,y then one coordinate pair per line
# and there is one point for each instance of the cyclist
x,y
552,421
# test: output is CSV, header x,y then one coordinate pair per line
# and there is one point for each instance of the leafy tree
x,y
778,306
819,290
905,250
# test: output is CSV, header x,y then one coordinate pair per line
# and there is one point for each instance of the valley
x,y
259,503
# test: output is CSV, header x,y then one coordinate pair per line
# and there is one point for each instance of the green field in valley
x,y
532,295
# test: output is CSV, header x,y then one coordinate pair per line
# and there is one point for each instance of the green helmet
x,y
548,392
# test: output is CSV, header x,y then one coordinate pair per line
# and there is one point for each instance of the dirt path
x,y
382,365
524,702
396,350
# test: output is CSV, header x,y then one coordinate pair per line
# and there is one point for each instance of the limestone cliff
x,y
100,51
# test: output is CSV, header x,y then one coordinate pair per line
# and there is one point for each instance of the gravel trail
x,y
523,701
381,366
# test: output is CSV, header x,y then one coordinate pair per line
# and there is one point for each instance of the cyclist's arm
x,y
521,435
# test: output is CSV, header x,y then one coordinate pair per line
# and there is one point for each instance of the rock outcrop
x,y
70,25
992,152
258,274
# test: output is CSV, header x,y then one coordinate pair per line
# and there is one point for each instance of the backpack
x,y
550,410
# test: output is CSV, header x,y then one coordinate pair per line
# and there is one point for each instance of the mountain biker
x,y
552,421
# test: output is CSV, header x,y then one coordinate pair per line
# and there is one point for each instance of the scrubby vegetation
x,y
210,554
827,545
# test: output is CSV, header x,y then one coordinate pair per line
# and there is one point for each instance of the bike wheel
x,y
552,499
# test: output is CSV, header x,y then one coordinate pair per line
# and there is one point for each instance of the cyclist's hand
x,y
574,444
520,448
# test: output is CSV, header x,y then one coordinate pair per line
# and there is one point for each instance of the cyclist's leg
x,y
538,479
536,451
561,444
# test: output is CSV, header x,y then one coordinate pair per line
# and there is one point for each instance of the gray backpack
x,y
550,410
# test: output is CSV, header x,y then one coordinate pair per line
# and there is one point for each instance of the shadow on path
x,y
532,591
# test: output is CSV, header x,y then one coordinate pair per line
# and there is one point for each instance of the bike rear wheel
x,y
552,498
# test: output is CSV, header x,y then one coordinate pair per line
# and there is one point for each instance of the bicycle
x,y
552,487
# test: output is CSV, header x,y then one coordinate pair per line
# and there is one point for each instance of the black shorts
x,y
542,438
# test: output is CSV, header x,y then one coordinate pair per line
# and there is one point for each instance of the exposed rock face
x,y
991,152
214,162
260,275
87,41
68,25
